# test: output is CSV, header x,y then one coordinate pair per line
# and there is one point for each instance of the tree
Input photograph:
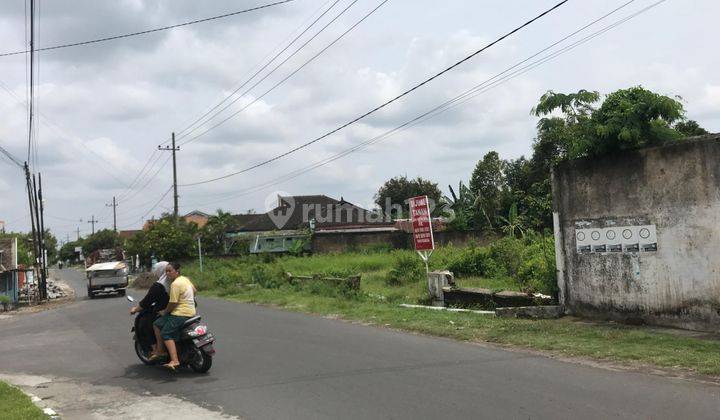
x,y
67,251
103,239
213,233
464,205
396,192
690,128
626,119
51,245
634,117
166,239
513,223
488,183
24,242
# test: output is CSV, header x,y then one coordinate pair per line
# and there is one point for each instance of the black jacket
x,y
155,300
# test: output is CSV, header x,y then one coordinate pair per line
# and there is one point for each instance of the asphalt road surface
x,y
272,364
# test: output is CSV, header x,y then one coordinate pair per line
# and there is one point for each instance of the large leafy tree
x,y
103,239
488,183
574,125
398,190
166,239
213,233
67,251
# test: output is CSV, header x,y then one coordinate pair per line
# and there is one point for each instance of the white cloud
x,y
121,99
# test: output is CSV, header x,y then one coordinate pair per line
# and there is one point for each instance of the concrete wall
x,y
676,189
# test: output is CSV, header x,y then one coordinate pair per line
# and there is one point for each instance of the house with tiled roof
x,y
295,217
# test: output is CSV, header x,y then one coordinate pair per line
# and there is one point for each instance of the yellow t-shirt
x,y
181,292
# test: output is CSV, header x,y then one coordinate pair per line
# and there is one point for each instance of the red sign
x,y
422,225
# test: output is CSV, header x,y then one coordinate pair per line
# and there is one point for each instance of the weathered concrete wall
x,y
676,188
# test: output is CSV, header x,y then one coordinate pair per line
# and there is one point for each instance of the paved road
x,y
273,364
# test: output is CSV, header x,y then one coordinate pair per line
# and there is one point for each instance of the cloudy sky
x,y
104,108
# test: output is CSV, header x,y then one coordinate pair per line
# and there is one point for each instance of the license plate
x,y
108,289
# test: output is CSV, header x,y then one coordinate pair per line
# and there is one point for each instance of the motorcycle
x,y
195,347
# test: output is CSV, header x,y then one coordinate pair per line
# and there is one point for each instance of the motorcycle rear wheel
x,y
201,361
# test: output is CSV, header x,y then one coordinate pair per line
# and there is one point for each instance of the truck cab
x,y
107,277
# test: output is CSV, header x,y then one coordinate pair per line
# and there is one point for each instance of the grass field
x,y
255,281
15,405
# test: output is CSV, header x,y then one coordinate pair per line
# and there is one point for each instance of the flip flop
x,y
171,368
156,357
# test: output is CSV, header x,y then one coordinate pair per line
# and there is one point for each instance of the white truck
x,y
107,277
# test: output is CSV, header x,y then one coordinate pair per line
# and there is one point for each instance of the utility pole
x,y
173,149
78,233
92,221
114,206
32,214
43,261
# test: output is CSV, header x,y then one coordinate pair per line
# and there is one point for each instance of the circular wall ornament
x,y
610,234
644,233
627,234
581,236
595,235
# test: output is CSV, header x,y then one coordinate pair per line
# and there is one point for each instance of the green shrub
x,y
508,254
268,276
474,262
4,302
406,268
537,272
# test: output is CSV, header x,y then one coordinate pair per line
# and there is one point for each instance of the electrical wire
x,y
148,31
260,70
11,157
405,93
481,88
278,84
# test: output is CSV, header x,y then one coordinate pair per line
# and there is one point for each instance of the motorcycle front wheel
x,y
143,355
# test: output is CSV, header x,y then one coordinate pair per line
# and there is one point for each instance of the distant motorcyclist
x,y
154,301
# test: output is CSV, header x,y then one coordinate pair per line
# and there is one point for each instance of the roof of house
x,y
127,234
295,212
197,213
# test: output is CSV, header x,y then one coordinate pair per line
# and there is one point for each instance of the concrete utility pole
x,y
78,233
92,221
114,206
173,149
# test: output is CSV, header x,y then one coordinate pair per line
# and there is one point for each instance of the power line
x,y
164,28
11,157
481,88
275,86
180,133
405,93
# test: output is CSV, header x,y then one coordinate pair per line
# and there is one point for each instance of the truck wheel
x,y
90,294
121,292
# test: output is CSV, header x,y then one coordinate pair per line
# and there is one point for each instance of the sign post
x,y
422,228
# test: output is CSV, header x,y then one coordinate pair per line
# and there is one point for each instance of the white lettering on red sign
x,y
422,224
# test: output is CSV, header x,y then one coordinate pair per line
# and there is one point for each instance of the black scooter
x,y
195,347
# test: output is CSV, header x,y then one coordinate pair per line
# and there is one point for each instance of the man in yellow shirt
x,y
180,308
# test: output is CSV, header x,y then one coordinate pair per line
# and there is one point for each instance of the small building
x,y
197,217
9,269
296,218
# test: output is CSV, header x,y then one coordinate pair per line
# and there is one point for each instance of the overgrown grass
x,y
15,405
260,280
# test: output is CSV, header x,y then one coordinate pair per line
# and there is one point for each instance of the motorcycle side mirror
x,y
130,298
